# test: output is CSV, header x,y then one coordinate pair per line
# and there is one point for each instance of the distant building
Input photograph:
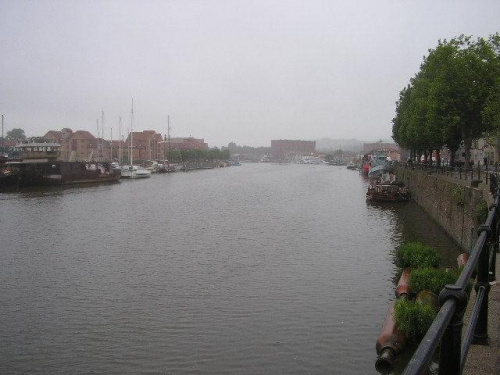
x,y
146,145
390,149
286,148
80,144
189,143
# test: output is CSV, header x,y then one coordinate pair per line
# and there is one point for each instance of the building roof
x,y
82,134
23,145
53,134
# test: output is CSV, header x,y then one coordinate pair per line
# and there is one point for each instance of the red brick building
x,y
80,144
284,148
146,145
189,143
390,149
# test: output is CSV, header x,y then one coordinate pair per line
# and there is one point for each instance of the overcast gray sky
x,y
224,70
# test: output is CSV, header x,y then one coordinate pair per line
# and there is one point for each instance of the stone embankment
x,y
452,203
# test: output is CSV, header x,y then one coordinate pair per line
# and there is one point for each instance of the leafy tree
x,y
38,140
15,134
195,155
447,101
492,109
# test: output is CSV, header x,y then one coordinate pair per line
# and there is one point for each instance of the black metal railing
x,y
474,173
446,329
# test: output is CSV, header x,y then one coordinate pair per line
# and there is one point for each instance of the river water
x,y
257,269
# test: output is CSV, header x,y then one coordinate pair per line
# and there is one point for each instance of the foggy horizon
x,y
225,71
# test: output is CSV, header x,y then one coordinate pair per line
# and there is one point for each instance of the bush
x,y
431,279
414,319
417,255
481,212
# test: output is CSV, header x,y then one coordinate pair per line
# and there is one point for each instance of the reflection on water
x,y
253,269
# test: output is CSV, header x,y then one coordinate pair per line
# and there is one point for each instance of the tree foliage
x,y
181,156
453,99
15,134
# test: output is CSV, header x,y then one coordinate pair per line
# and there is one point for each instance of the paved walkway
x,y
485,360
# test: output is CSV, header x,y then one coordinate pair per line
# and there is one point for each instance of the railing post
x,y
495,228
494,250
451,342
482,281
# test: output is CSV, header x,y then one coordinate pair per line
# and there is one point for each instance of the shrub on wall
x,y
481,212
417,255
433,279
414,319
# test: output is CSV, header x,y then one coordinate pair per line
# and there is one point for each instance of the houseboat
x,y
386,189
40,164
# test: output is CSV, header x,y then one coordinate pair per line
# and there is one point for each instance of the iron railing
x,y
477,173
446,329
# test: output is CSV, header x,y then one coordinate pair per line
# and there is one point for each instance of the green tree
x,y
445,102
15,134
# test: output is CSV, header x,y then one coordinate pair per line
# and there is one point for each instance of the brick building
x,y
146,145
189,143
390,149
78,145
285,148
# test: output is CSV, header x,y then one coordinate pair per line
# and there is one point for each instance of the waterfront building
x,y
78,145
188,143
390,149
282,149
146,145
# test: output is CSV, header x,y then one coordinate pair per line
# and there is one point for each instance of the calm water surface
x,y
258,269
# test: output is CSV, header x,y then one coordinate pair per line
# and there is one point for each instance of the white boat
x,y
154,166
133,171
379,164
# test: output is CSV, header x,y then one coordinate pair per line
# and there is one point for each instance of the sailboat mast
x,y
102,134
131,130
120,141
111,147
97,145
168,144
2,136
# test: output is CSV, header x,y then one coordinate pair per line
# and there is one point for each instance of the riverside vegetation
x,y
415,315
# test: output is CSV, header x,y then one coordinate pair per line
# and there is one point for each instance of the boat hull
x,y
387,193
33,174
133,172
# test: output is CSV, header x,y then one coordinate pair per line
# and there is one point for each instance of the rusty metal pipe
x,y
390,342
403,289
462,259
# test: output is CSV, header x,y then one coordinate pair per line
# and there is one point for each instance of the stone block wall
x,y
452,204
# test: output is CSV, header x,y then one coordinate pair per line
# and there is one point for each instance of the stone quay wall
x,y
450,202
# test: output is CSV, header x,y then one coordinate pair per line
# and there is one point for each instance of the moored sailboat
x,y
133,171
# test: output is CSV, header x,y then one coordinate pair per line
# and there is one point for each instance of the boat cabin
x,y
38,151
